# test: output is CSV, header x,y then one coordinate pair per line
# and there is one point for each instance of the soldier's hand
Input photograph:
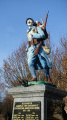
x,y
33,30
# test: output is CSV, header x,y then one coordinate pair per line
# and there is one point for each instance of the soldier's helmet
x,y
30,22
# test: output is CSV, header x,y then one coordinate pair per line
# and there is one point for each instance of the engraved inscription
x,y
27,111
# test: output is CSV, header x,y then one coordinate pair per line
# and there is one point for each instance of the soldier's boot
x,y
49,80
33,79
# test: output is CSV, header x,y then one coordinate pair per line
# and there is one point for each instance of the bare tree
x,y
59,58
16,67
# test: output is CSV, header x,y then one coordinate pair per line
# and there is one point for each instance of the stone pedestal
x,y
30,103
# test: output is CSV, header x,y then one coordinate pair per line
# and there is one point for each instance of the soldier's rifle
x,y
43,27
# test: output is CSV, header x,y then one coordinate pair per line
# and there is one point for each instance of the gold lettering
x,y
27,111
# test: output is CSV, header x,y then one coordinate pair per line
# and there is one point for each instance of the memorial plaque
x,y
27,111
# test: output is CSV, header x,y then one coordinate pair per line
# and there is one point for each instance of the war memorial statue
x,y
34,100
37,57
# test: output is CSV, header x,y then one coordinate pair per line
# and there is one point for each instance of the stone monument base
x,y
30,103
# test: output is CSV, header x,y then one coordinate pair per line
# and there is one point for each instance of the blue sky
x,y
13,15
